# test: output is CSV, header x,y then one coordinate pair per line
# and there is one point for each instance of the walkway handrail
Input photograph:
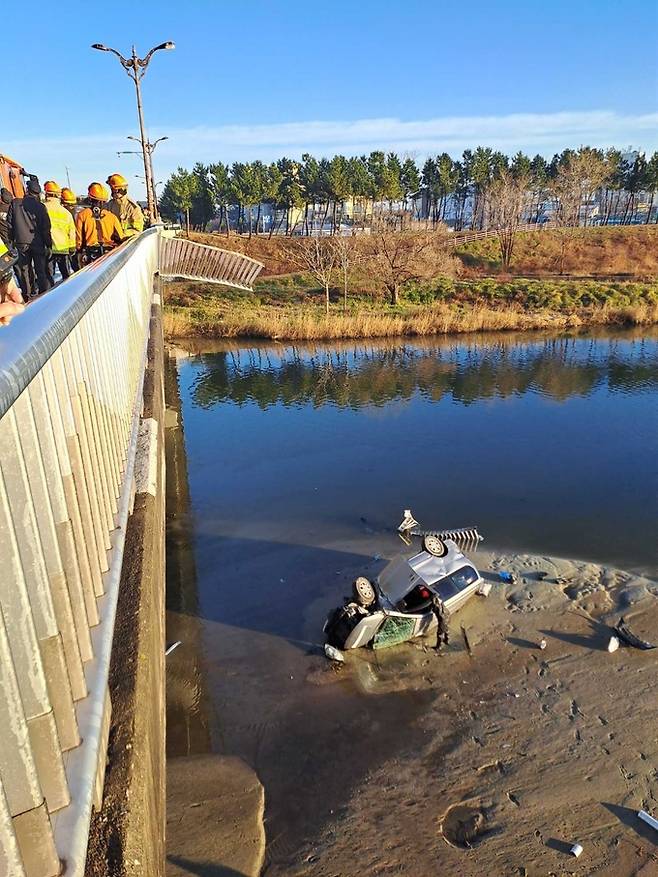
x,y
71,392
71,385
29,342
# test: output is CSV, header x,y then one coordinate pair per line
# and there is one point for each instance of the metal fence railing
x,y
457,238
192,261
71,374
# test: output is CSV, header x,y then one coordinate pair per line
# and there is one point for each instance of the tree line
x,y
311,194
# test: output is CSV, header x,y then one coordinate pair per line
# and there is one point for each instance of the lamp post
x,y
155,185
150,148
136,68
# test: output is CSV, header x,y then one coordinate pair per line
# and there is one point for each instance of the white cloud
x,y
93,157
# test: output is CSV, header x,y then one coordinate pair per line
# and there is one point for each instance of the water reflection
x,y
376,374
188,730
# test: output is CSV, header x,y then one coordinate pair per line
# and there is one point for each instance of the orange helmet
x,y
51,188
116,181
97,192
68,196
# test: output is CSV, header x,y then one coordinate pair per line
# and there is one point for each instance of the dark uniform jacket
x,y
29,223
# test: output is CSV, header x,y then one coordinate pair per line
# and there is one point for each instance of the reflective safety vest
x,y
62,227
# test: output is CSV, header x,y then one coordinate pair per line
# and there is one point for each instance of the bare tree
x,y
347,257
317,256
397,257
509,198
578,176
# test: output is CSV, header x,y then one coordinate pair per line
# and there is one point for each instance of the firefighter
x,y
124,208
29,227
97,230
62,231
71,203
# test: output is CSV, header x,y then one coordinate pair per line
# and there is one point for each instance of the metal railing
x,y
71,375
463,237
191,261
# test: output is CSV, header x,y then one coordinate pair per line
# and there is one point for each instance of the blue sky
x,y
260,79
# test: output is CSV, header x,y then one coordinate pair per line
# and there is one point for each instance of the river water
x,y
296,466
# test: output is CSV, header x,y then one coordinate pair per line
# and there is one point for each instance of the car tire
x,y
435,546
364,592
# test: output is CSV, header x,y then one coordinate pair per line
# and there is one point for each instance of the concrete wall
x,y
127,837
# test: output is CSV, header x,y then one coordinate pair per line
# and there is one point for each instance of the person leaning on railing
x,y
11,300
97,229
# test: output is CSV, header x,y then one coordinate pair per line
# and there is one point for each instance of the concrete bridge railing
x,y
71,384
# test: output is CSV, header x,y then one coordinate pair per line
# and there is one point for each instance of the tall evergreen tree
x,y
409,179
179,194
220,181
309,180
290,192
203,202
448,178
338,185
652,183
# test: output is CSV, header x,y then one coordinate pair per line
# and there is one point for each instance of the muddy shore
x,y
500,756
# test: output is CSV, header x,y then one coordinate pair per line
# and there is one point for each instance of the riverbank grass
x,y
289,307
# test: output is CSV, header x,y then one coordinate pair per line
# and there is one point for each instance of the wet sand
x,y
381,765
551,747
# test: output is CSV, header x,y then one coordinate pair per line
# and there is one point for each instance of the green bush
x,y
531,294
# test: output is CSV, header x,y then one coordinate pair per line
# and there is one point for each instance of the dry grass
x,y
295,324
598,251
593,252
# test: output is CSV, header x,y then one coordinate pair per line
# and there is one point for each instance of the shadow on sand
x,y
628,817
203,869
597,639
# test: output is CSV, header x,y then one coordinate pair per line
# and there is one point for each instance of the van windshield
x,y
456,582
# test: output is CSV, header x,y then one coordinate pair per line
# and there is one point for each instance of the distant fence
x,y
463,237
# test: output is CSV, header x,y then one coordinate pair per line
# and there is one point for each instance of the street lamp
x,y
136,68
150,147
155,185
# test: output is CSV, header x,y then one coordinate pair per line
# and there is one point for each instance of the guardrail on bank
x,y
71,374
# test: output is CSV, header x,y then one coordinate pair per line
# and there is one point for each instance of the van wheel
x,y
435,546
364,593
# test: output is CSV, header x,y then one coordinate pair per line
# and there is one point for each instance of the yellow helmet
x,y
97,192
50,187
116,181
68,196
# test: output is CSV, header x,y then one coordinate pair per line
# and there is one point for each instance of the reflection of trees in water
x,y
188,725
368,374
